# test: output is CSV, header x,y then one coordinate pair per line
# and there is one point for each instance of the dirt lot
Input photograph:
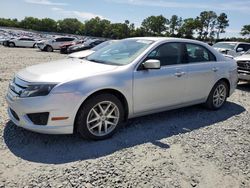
x,y
190,147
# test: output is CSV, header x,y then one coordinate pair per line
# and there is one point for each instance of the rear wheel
x,y
100,117
49,49
12,44
218,95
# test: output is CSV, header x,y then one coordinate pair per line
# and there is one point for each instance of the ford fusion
x,y
126,79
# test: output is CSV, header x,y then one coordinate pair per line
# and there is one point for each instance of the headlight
x,y
37,90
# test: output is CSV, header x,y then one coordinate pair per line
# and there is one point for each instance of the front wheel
x,y
12,44
49,49
218,95
100,117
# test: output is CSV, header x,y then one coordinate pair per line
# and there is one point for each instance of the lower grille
x,y
14,114
39,118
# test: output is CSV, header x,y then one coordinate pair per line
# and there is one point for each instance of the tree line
x,y
207,26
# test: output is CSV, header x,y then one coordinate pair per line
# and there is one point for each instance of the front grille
x,y
14,114
244,65
39,118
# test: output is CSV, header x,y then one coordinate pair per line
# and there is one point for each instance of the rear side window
x,y
68,39
197,53
168,54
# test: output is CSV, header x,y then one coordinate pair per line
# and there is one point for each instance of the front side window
x,y
168,54
120,53
198,53
245,47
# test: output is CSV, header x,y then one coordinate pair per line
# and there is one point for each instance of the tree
x,y
97,27
245,30
155,25
175,24
47,24
9,22
30,23
70,25
188,28
207,22
222,24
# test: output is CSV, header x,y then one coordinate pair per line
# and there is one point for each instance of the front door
x,y
160,88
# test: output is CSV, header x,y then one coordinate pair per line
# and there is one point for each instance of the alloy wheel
x,y
219,95
103,118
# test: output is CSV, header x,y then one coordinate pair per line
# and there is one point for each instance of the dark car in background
x,y
85,46
64,47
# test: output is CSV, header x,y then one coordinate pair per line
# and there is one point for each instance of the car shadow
x,y
59,149
244,86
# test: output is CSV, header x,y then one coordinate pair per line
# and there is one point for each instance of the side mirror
x,y
152,64
240,49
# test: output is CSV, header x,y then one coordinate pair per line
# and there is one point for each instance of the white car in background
x,y
22,42
243,63
54,44
232,49
85,53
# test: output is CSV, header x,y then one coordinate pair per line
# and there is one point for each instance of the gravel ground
x,y
189,147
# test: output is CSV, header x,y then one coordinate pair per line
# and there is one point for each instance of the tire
x,y
12,44
217,96
91,122
49,49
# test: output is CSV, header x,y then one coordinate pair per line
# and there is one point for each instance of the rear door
x,y
202,71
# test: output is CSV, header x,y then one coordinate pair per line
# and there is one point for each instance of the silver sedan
x,y
126,79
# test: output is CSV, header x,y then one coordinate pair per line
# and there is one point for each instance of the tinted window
x,y
198,53
68,39
59,40
168,54
245,47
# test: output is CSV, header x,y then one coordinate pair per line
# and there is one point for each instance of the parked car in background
x,y
85,46
85,53
243,63
22,42
64,47
54,44
126,79
232,48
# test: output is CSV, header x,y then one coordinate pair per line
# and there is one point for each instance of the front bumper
x,y
58,105
41,46
244,75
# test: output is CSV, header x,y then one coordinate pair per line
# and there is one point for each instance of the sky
x,y
135,11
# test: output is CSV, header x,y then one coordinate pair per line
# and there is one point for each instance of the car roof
x,y
169,39
233,42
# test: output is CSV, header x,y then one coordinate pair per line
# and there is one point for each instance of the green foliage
x,y
205,26
155,25
222,24
175,24
70,25
245,30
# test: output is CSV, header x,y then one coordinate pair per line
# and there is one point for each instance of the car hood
x,y
62,71
245,57
81,54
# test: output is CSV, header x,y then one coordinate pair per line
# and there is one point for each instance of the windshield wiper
x,y
102,62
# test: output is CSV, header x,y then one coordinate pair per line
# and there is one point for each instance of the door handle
x,y
179,74
215,69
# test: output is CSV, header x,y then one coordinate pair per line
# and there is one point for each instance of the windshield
x,y
248,52
102,45
120,53
225,45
